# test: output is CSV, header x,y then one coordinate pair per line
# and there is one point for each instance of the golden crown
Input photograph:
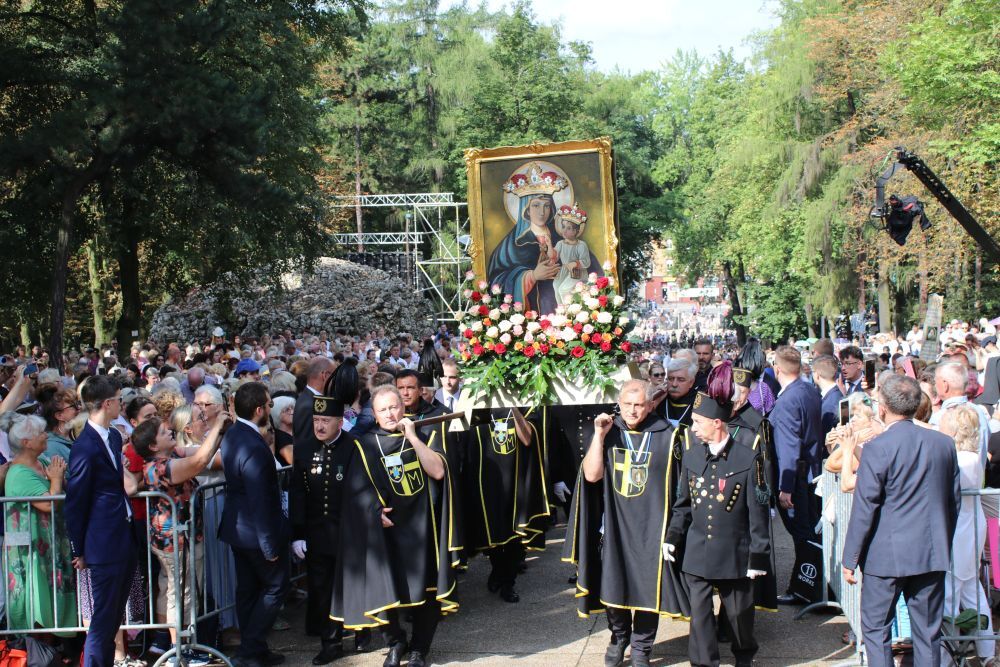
x,y
535,182
573,214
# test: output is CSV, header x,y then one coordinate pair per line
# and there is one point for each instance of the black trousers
x,y
261,586
737,599
109,585
801,520
924,594
320,572
639,629
425,622
504,560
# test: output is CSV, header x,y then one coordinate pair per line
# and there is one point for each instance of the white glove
x,y
753,574
561,491
299,549
668,553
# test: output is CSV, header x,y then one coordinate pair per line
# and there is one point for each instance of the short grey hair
x,y
901,395
681,364
282,381
953,373
637,384
24,430
211,392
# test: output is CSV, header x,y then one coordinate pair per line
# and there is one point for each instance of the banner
x,y
931,345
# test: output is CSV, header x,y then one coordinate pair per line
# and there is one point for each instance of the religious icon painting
x,y
542,218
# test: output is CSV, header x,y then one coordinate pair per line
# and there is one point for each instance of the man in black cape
x,y
315,495
724,530
615,535
403,542
505,491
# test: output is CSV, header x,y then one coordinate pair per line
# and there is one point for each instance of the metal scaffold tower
x,y
435,238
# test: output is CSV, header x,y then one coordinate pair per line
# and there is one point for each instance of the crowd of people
x,y
304,439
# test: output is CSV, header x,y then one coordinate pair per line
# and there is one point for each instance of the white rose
x,y
477,326
606,266
517,319
583,316
568,334
495,314
505,325
492,332
558,320
482,285
486,298
505,339
604,318
508,298
592,303
588,328
623,320
528,338
568,298
559,310
518,330
467,293
592,278
579,287
574,308
618,300
495,289
533,327
594,291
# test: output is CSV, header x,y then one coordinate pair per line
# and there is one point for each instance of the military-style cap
x,y
706,406
742,377
326,406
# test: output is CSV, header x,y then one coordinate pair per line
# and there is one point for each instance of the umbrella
x,y
995,321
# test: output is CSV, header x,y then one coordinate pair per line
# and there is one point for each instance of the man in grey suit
x,y
906,504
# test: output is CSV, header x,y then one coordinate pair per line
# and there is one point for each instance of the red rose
x,y
476,296
578,351
545,324
605,346
602,282
484,310
603,300
578,327
626,347
499,348
543,348
468,333
529,351
477,349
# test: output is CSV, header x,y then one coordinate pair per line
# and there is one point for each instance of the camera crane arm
x,y
907,160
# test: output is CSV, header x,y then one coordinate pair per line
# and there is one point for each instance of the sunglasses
x,y
656,375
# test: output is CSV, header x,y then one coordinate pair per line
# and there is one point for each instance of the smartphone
x,y
31,369
845,411
870,373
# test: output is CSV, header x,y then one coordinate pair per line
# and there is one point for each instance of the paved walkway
x,y
543,629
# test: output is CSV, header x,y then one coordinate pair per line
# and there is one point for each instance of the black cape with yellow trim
x,y
624,568
504,482
751,429
405,565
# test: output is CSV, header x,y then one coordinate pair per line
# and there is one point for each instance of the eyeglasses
x,y
657,375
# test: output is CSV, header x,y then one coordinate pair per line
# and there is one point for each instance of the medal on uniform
x,y
340,473
639,476
722,488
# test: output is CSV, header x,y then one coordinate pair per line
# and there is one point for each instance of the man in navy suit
x,y
906,503
797,423
99,517
254,526
852,367
825,376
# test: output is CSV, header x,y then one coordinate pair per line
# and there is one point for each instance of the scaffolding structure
x,y
429,217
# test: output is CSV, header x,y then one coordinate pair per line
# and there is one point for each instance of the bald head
x,y
318,372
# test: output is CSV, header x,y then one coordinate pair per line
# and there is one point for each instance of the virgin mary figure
x,y
524,263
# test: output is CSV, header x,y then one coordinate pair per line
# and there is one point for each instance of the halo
x,y
512,202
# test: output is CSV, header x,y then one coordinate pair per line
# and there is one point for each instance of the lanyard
x,y
382,451
643,445
510,415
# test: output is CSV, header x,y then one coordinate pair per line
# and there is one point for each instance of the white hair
x,y
24,430
211,392
954,374
682,364
279,404
282,381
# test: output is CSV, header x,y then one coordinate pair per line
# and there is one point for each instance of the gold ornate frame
x,y
474,157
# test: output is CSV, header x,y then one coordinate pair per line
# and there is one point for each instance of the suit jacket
x,y
252,517
906,503
302,417
96,508
797,423
831,409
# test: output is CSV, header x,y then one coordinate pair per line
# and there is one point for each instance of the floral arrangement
x,y
504,346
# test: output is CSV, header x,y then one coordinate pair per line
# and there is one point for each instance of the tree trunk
x,y
978,281
924,289
94,284
884,300
357,167
128,277
810,329
26,335
734,300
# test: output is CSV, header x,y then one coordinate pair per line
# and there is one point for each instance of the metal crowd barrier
x,y
18,514
836,515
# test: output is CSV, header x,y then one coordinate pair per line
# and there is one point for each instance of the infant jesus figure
x,y
574,255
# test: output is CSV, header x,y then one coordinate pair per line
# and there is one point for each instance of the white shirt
x,y
444,397
249,423
106,437
717,447
315,393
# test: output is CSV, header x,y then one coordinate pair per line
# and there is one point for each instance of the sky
x,y
636,35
